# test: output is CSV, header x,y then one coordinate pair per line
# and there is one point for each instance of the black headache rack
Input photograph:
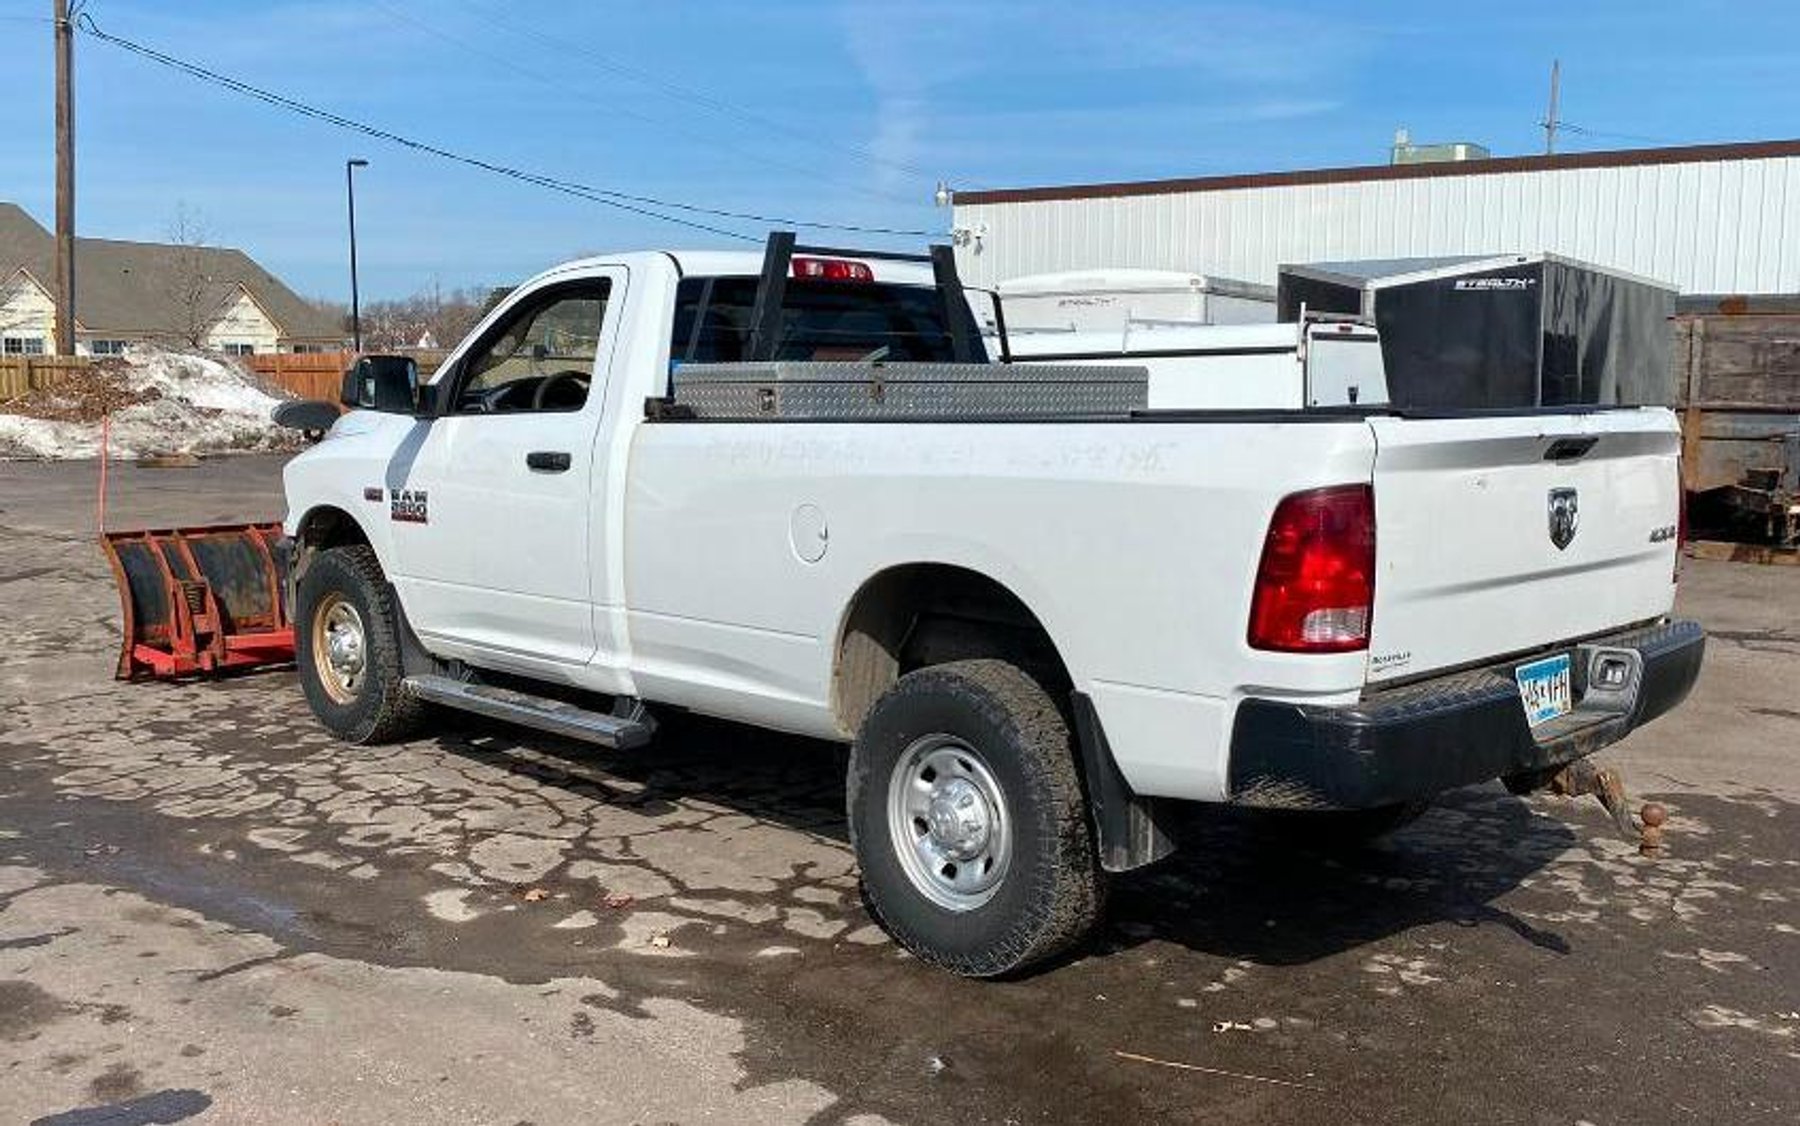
x,y
771,294
763,333
926,363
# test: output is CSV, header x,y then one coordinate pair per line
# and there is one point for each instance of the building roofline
x,y
225,305
1470,264
1618,158
23,271
201,246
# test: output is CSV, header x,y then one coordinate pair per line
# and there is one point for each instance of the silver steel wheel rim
x,y
340,648
949,823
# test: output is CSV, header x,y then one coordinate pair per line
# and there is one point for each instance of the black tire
x,y
379,709
1050,895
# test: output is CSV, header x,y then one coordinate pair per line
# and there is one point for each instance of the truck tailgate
x,y
1500,534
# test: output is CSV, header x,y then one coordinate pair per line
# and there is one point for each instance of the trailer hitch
x,y
1607,783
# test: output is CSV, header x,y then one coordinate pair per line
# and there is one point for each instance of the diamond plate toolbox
x,y
877,392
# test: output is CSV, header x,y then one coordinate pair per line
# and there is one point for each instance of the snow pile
x,y
160,403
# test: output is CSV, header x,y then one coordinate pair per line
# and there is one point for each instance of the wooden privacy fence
x,y
21,374
305,375
320,375
317,375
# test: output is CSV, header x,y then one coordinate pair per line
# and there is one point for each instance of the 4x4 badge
x,y
1565,516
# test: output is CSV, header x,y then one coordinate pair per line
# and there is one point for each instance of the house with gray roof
x,y
211,297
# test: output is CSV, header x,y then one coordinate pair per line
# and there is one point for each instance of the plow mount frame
x,y
201,600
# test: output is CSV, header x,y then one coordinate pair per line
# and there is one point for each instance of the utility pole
x,y
1550,120
65,183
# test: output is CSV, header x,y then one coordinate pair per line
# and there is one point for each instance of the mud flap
x,y
1126,830
200,600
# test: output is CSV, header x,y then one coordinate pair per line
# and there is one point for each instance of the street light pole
x,y
350,167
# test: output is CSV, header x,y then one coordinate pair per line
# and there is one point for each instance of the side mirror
x,y
388,384
312,417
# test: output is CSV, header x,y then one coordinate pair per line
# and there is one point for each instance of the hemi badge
x,y
372,493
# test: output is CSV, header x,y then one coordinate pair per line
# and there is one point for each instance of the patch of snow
x,y
196,405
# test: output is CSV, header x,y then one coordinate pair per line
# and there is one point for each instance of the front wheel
x,y
347,648
968,820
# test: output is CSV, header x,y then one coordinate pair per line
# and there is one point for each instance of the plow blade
x,y
201,600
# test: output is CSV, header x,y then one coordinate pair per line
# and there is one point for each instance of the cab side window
x,y
540,357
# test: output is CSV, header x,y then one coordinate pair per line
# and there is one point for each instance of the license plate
x,y
1544,688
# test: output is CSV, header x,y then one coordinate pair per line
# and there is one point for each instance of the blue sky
x,y
844,111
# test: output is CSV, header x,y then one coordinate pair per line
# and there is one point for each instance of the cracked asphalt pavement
x,y
211,912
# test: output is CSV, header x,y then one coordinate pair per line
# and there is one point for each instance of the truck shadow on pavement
x,y
1241,886
713,866
1245,886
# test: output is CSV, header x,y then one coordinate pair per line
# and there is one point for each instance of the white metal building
x,y
1715,219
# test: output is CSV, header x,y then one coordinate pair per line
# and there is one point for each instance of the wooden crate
x,y
1739,381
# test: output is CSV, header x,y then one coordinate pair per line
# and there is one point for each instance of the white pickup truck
x,y
1040,626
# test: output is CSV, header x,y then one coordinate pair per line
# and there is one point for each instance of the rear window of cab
x,y
820,321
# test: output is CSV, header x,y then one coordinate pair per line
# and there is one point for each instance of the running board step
x,y
555,716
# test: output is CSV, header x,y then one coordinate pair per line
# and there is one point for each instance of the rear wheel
x,y
968,820
347,648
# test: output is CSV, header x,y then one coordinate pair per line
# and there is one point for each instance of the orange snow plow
x,y
201,600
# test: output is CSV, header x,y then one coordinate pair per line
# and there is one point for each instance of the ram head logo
x,y
1565,517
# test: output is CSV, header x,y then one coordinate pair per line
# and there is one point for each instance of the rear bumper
x,y
1421,739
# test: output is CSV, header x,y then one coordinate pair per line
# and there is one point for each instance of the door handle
x,y
547,461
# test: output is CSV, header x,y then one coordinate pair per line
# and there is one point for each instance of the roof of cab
x,y
742,263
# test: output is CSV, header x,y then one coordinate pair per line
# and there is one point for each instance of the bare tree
x,y
338,311
432,318
195,293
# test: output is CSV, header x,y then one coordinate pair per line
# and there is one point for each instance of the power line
x,y
1584,131
625,201
694,97
88,27
612,107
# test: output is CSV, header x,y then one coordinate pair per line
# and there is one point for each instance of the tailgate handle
x,y
546,461
1570,449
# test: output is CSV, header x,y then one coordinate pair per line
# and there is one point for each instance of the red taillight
x,y
1315,587
833,269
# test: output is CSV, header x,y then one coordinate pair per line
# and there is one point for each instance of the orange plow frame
x,y
201,600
